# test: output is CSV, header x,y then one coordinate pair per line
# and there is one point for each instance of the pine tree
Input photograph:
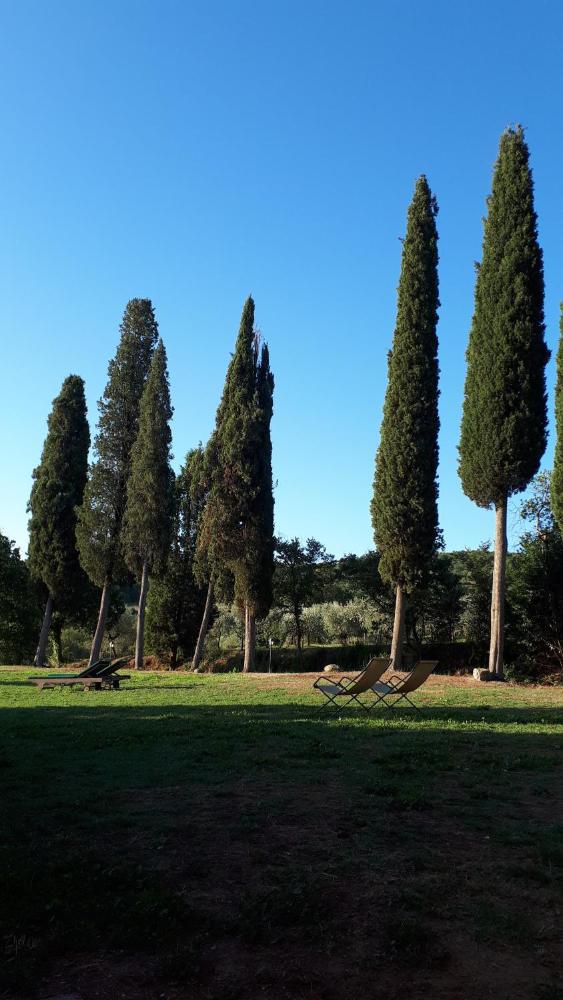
x,y
147,519
404,505
176,601
101,514
237,524
503,429
58,488
557,474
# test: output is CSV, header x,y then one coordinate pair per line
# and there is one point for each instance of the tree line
x,y
206,536
324,609
127,518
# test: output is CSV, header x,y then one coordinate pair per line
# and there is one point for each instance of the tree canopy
x,y
504,423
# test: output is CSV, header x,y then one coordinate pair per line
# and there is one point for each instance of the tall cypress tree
x,y
58,487
404,505
147,519
238,519
176,601
504,424
557,474
101,515
253,581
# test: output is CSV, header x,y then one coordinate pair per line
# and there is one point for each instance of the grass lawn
x,y
210,837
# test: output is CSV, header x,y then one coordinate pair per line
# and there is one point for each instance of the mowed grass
x,y
212,837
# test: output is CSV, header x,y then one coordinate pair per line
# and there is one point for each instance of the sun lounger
x,y
91,671
350,688
101,674
397,689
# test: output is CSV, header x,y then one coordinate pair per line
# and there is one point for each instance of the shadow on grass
x,y
281,785
97,706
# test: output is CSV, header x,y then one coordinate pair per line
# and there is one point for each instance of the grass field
x,y
211,837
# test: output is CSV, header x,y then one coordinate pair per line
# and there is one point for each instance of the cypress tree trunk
x,y
140,642
100,627
249,640
496,650
39,660
203,627
57,636
398,627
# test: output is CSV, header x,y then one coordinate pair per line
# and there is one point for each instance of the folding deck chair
x,y
351,688
400,687
98,675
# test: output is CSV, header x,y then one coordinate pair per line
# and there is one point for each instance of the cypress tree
x,y
58,487
504,423
253,581
176,601
404,505
101,515
150,489
237,524
557,474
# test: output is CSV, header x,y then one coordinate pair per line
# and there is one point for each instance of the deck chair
x,y
349,687
109,676
98,675
90,671
399,688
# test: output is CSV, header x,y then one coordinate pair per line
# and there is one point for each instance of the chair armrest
x,y
340,683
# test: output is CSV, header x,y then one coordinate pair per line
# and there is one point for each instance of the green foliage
x,y
20,612
101,514
475,570
557,475
295,579
150,497
404,505
350,576
76,630
176,600
535,586
237,527
503,430
58,487
435,610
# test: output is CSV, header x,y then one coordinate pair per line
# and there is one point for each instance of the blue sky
x,y
193,153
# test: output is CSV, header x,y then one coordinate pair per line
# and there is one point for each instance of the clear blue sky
x,y
195,152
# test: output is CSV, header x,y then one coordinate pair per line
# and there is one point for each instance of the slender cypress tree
x,y
101,515
253,581
557,474
147,520
176,601
404,505
238,519
504,424
58,487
